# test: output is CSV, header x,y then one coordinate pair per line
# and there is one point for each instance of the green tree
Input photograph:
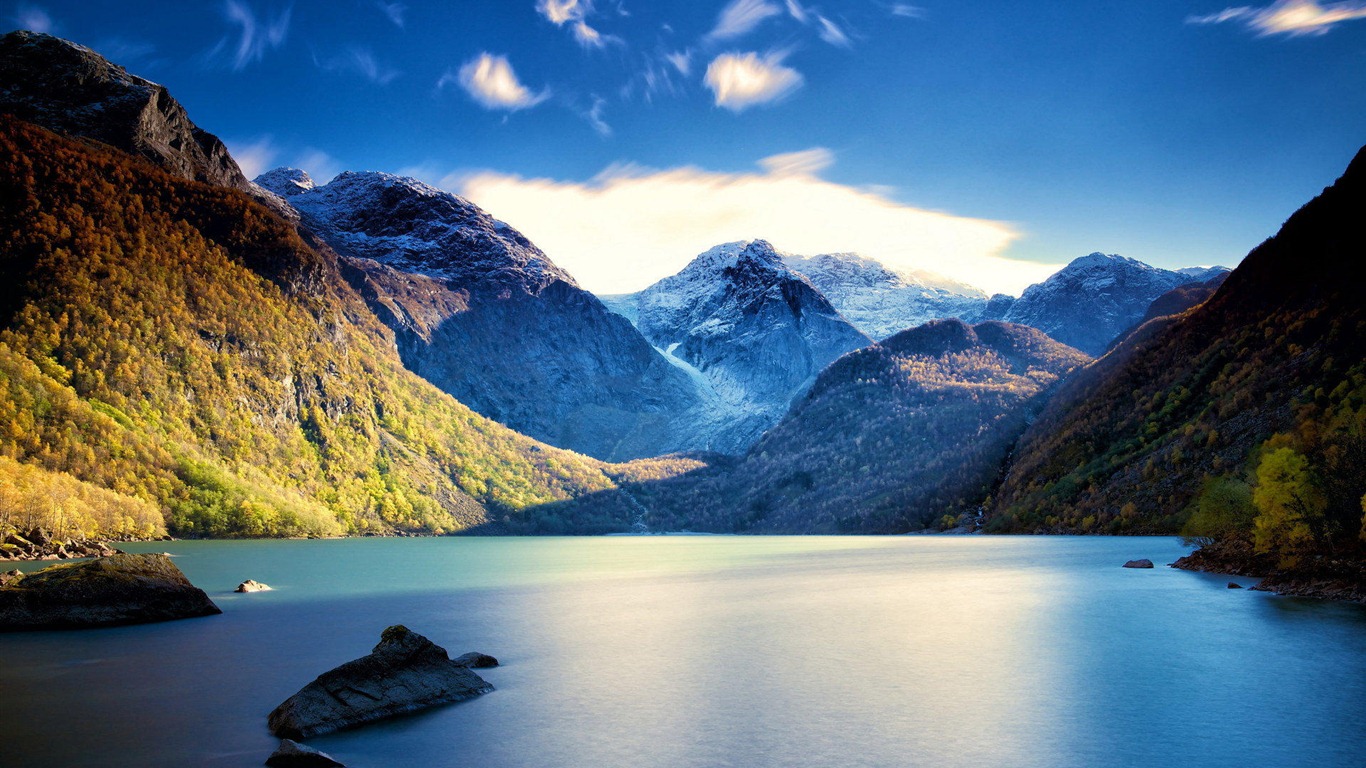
x,y
1289,506
1222,511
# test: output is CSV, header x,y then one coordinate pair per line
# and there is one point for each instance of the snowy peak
x,y
1093,299
286,182
416,228
880,300
70,89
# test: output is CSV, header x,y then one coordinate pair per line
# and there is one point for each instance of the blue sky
x,y
990,141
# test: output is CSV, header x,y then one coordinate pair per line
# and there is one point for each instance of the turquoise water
x,y
718,651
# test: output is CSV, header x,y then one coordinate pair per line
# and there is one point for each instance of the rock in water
x,y
292,754
1234,585
119,589
476,660
406,672
251,585
1144,563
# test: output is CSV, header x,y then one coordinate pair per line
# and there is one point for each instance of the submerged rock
x,y
405,672
476,660
1144,563
292,754
251,585
1234,585
106,591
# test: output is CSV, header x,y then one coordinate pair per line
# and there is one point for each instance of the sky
x,y
991,142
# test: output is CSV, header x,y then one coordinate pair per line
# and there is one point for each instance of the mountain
x,y
752,331
890,438
881,301
481,312
73,90
1242,419
1095,298
179,345
1177,300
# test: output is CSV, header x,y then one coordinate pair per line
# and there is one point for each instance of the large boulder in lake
x,y
1144,563
106,591
406,672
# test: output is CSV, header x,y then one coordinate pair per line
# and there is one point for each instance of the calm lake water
x,y
718,651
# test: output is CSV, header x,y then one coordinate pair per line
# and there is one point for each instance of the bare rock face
x,y
70,89
292,754
405,672
106,591
251,585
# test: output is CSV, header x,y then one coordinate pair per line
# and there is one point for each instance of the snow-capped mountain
x,y
881,301
70,89
1096,297
748,326
481,312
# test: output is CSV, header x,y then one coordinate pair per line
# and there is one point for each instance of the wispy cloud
x,y
121,51
594,116
1288,17
396,12
253,157
490,81
743,80
740,17
359,61
905,10
256,34
811,16
831,33
34,19
630,226
259,155
807,162
575,13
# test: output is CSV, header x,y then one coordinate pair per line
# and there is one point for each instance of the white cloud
x,y
395,12
796,11
1288,17
34,19
561,11
489,79
743,80
630,226
906,11
255,35
574,13
254,158
360,61
741,16
681,61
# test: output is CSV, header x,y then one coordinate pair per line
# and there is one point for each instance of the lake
x,y
717,651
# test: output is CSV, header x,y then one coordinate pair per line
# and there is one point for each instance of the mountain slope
x,y
177,342
482,313
890,438
755,332
1262,388
1095,298
881,301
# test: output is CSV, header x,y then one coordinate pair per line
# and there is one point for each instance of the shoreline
x,y
1321,578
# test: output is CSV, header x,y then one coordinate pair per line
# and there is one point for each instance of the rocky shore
x,y
1321,577
106,591
41,544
